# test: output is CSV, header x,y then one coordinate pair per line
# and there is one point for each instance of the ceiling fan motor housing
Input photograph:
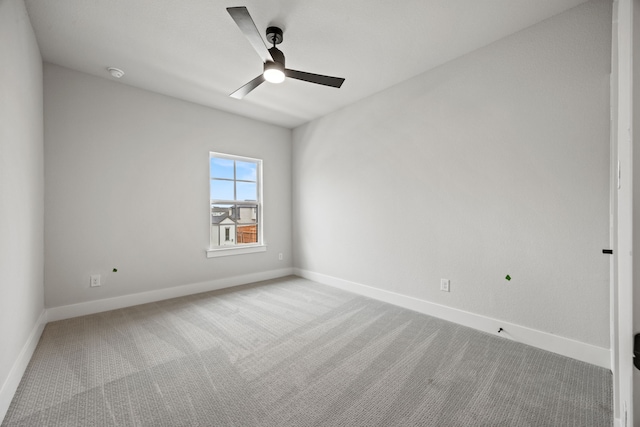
x,y
277,55
274,71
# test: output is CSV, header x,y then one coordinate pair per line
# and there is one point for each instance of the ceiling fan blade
x,y
314,78
244,90
248,28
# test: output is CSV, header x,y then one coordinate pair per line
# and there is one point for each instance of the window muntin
x,y
235,201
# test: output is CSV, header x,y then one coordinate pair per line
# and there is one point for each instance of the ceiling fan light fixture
x,y
273,72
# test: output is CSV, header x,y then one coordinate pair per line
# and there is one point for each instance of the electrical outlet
x,y
444,285
95,280
280,256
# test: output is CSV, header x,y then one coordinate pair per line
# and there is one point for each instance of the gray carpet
x,y
291,352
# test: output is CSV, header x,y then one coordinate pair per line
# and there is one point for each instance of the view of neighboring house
x,y
233,225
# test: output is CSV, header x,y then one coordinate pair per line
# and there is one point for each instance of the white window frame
x,y
218,251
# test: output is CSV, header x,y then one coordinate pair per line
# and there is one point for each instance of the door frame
x,y
622,218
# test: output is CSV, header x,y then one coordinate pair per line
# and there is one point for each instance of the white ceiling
x,y
194,51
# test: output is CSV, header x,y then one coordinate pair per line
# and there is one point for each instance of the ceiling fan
x,y
273,58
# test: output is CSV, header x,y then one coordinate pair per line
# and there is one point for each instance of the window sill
x,y
214,253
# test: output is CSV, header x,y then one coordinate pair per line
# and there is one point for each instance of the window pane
x,y
246,171
221,168
221,190
247,191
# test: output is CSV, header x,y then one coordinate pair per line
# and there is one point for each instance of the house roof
x,y
217,219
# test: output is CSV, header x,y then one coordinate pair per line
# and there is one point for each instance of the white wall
x,y
21,193
636,193
127,187
504,155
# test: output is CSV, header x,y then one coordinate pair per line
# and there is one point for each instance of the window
x,y
235,205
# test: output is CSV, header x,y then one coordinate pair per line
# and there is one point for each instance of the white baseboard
x,y
106,304
565,346
20,365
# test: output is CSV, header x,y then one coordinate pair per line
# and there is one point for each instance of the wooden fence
x,y
247,234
